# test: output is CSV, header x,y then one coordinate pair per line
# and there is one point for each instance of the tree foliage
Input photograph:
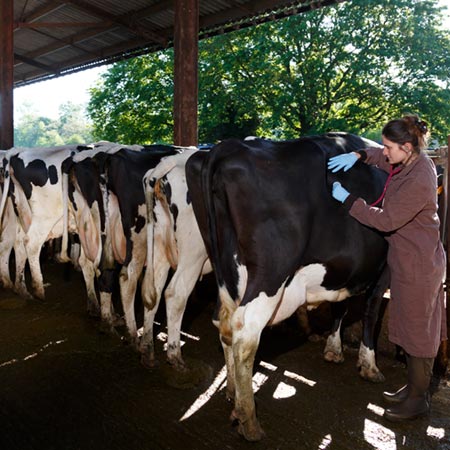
x,y
71,127
348,67
133,101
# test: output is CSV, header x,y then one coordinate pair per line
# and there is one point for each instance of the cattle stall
x,y
67,384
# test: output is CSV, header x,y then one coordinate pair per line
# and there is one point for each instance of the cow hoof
x,y
106,327
131,341
93,312
118,321
315,338
178,364
372,375
23,294
250,430
149,363
334,357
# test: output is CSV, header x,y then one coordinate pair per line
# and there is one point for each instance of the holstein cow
x,y
33,183
83,184
109,207
173,242
12,238
277,240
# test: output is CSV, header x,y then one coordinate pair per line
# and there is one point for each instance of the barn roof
x,y
58,37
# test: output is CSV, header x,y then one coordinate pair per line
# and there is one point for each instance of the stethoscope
x,y
391,174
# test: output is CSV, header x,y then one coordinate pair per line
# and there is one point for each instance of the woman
x,y
416,259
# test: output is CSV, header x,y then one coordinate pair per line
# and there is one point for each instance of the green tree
x,y
72,127
72,124
133,101
351,66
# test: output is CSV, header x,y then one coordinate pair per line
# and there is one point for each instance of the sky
x,y
45,97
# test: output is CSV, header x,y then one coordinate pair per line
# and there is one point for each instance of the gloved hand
x,y
344,161
339,193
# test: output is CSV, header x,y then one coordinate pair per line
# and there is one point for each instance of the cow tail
x,y
65,232
150,181
5,192
227,304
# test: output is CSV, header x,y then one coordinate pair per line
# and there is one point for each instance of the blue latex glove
x,y
344,161
339,193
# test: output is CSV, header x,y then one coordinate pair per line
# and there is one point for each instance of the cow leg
x,y
373,314
88,271
20,255
244,346
152,298
34,241
5,276
105,287
8,240
128,279
229,362
176,295
333,348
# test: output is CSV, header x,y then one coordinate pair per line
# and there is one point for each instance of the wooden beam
x,y
6,74
131,24
186,72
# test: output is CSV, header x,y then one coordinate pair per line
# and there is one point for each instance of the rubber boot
x,y
398,396
417,402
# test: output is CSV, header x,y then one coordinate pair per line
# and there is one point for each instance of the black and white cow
x,y
108,205
33,185
12,238
277,240
173,242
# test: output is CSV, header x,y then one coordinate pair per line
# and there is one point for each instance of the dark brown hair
x,y
408,129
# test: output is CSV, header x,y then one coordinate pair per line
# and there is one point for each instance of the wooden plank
x,y
6,74
186,72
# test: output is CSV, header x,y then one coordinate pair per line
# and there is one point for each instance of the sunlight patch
x,y
380,437
326,441
378,410
284,390
258,380
268,366
438,433
297,377
7,363
204,398
32,355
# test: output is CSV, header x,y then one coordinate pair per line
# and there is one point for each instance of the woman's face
x,y
396,153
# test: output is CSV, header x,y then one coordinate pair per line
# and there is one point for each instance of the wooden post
x,y
6,74
186,72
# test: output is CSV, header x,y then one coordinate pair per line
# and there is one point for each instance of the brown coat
x,y
416,258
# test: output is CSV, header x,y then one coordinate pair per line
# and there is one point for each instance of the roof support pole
x,y
6,74
186,72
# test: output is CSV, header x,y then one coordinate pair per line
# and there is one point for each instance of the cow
x,y
277,240
33,186
108,205
173,242
83,184
12,238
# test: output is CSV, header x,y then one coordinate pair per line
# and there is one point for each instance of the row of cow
x,y
260,211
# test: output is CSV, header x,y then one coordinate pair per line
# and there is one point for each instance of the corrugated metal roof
x,y
55,37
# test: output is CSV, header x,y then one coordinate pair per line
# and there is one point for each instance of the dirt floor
x,y
64,385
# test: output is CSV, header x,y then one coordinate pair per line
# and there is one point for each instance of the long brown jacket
x,y
416,258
